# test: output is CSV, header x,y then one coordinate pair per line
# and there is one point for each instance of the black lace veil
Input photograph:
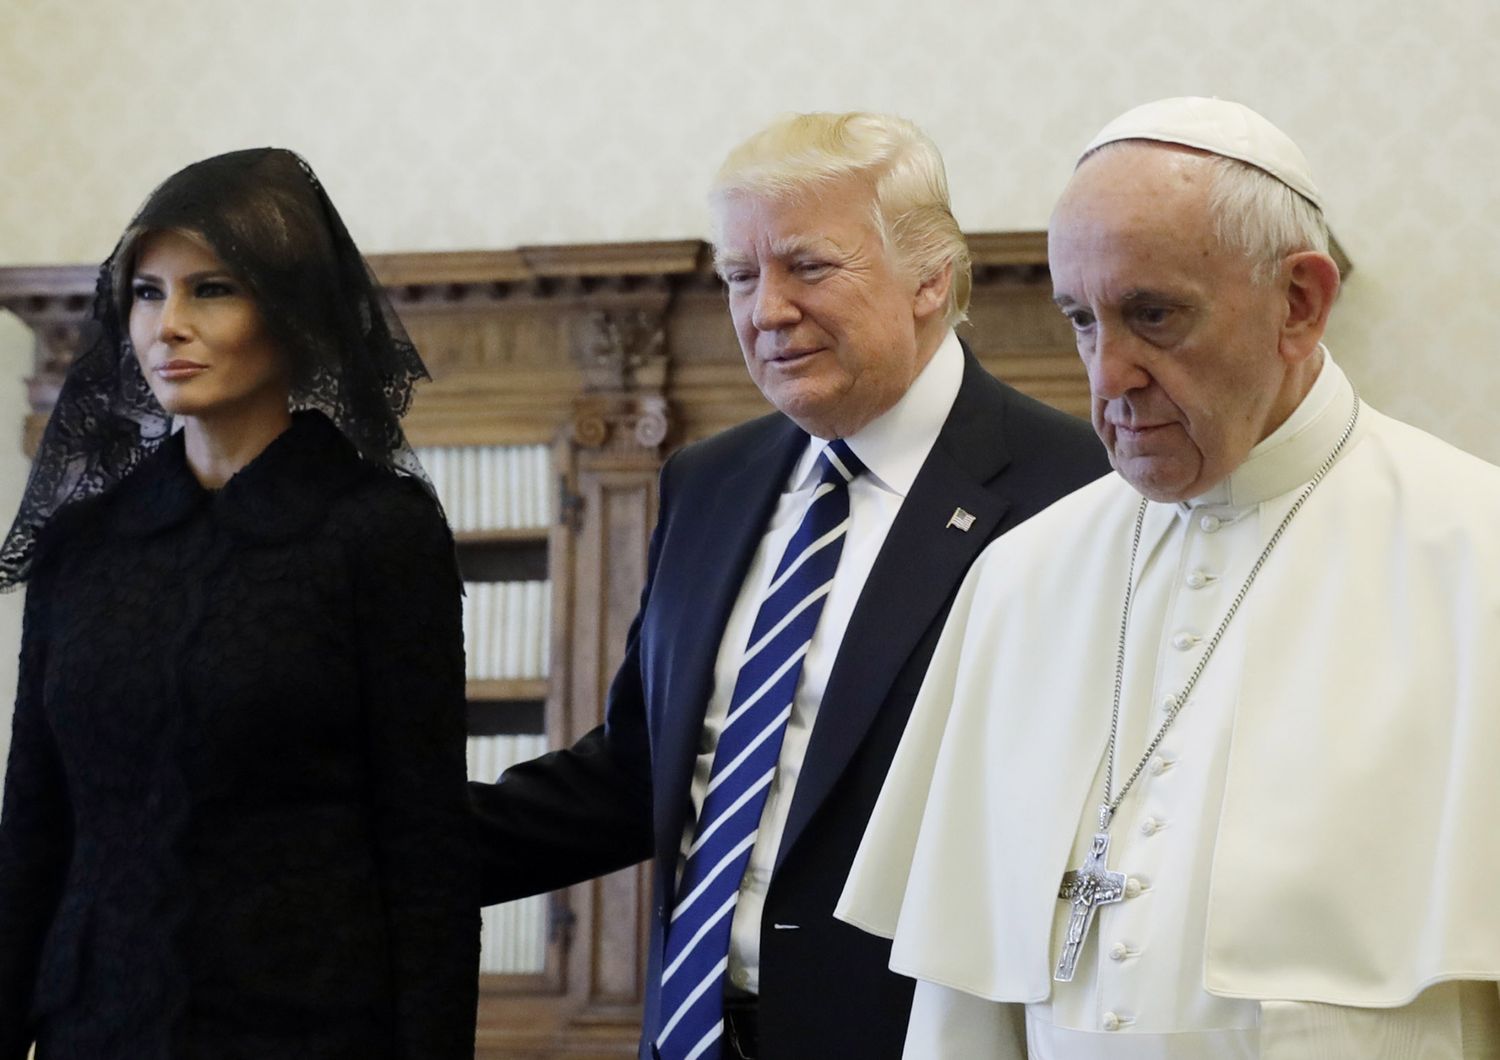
x,y
267,217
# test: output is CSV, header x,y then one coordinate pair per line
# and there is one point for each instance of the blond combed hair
x,y
802,152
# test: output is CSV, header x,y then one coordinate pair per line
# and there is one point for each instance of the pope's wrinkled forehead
x,y
1137,184
1136,217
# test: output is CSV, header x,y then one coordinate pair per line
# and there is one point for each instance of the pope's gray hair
x,y
1256,214
1261,217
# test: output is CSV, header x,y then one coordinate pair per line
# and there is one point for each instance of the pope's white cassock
x,y
1313,851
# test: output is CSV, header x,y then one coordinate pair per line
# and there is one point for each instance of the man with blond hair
x,y
799,574
1203,765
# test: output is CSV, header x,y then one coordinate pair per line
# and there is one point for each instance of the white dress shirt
x,y
893,448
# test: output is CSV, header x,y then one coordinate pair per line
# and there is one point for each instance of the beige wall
x,y
491,123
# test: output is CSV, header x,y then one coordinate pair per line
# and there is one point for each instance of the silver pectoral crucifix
x,y
1087,888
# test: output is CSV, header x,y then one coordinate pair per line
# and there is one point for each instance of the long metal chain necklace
x,y
1092,884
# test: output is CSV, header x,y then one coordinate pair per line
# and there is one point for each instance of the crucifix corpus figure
x,y
1087,887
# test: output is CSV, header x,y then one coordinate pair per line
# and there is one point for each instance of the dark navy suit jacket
x,y
622,793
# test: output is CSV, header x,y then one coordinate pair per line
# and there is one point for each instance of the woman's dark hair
x,y
266,216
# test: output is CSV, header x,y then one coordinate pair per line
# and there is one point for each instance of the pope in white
x,y
1204,765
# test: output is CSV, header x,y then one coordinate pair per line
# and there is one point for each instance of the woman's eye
x,y
214,289
145,292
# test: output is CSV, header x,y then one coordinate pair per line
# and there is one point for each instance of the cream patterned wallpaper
x,y
490,123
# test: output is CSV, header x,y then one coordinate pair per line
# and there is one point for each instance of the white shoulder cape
x,y
1358,855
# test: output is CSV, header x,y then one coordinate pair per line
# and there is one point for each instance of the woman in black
x,y
234,822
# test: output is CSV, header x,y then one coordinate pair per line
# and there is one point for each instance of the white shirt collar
x,y
895,444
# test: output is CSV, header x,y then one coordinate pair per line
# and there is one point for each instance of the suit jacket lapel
x,y
920,565
702,584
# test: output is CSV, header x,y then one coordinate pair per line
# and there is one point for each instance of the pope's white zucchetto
x,y
1219,127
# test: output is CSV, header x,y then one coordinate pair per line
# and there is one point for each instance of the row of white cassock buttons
x,y
1182,640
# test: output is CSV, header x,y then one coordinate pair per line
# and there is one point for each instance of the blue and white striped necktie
x,y
697,942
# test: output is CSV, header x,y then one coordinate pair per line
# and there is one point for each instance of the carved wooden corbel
x,y
621,349
621,354
54,302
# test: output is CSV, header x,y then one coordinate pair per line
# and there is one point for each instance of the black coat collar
x,y
283,493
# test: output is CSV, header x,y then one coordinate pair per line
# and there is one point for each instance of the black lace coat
x,y
235,821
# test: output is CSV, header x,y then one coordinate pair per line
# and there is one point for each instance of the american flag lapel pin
x,y
961,519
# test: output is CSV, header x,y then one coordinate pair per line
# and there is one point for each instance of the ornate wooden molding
x,y
629,343
543,272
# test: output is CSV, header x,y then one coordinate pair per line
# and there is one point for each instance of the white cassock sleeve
x,y
948,1024
876,887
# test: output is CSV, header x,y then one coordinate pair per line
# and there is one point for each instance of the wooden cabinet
x,y
610,356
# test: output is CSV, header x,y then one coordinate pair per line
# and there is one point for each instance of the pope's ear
x,y
1311,282
932,293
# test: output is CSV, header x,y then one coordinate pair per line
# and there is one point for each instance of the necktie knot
x,y
838,463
